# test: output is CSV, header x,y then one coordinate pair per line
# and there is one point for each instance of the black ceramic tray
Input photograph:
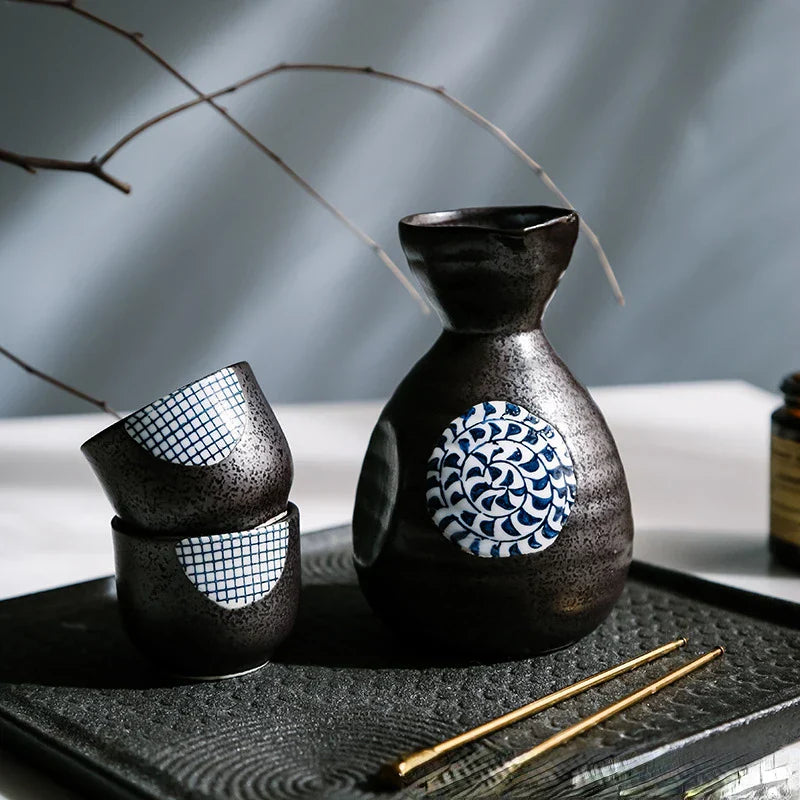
x,y
344,696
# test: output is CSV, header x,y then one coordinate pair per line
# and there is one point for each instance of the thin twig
x,y
137,39
101,404
477,118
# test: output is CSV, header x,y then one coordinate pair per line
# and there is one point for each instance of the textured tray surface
x,y
343,697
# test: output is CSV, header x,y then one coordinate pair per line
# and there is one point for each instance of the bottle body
x,y
784,525
492,516
432,590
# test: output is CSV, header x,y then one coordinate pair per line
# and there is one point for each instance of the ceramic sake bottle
x,y
492,517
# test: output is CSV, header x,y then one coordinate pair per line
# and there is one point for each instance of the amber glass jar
x,y
784,518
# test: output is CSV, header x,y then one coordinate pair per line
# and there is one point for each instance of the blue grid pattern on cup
x,y
198,425
236,569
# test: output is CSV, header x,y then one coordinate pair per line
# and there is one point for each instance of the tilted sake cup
x,y
209,606
210,456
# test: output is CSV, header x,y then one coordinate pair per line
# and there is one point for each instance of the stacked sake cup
x,y
206,542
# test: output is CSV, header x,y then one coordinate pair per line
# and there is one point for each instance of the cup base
x,y
222,677
171,593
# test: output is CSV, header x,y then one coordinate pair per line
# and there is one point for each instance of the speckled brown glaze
x,y
182,630
490,272
248,487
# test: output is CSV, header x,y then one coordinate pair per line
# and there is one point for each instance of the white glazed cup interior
x,y
199,424
234,570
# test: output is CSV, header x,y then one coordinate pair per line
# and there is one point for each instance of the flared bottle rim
x,y
507,220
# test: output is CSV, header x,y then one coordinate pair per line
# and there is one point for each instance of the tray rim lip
x,y
763,607
66,765
62,764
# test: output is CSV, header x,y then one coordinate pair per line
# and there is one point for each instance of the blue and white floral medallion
x,y
500,481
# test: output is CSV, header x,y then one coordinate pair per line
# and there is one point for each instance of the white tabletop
x,y
696,457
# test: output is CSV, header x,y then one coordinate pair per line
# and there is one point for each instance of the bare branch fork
x,y
93,167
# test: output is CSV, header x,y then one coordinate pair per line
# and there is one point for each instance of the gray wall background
x,y
674,128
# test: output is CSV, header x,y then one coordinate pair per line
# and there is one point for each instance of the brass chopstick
x,y
400,769
601,716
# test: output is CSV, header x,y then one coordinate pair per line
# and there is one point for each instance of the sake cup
x,y
210,606
210,456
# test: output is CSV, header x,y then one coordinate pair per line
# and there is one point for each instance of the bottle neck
x,y
486,299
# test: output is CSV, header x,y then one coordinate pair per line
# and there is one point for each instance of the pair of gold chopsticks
x,y
399,771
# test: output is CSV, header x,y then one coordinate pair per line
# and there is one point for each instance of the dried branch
x,y
94,166
462,107
101,404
